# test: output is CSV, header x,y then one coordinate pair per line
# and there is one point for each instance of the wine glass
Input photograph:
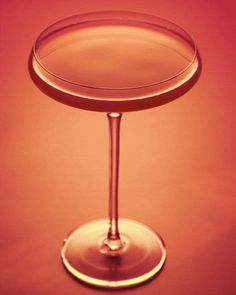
x,y
114,62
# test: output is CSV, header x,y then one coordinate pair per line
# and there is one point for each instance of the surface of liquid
x,y
115,56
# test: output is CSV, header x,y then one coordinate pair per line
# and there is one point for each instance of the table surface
x,y
177,161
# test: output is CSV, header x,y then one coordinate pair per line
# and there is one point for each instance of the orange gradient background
x,y
177,161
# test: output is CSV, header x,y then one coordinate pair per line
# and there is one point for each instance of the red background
x,y
177,161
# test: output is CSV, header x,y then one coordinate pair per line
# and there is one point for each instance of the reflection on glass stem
x,y
113,241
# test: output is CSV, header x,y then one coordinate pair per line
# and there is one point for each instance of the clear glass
x,y
115,62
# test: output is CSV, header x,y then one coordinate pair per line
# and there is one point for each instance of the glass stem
x,y
114,130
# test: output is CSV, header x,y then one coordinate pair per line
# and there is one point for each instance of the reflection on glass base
x,y
140,258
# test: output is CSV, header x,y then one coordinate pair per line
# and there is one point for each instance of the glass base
x,y
86,257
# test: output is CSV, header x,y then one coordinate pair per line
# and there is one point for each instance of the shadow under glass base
x,y
141,257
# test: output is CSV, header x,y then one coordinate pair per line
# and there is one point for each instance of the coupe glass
x,y
114,62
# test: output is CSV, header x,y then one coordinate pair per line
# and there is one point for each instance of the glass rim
x,y
189,39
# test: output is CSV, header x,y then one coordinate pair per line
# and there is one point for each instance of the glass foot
x,y
141,255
